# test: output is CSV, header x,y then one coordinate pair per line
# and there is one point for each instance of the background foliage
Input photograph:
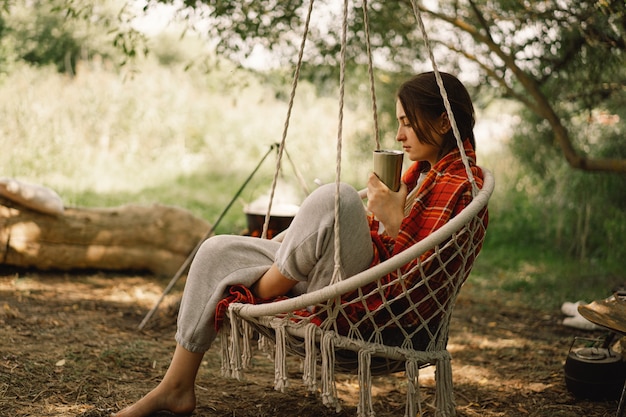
x,y
558,58
185,126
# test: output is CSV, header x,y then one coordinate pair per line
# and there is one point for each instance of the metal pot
x,y
281,216
595,373
276,225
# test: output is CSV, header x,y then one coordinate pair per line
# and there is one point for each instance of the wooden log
x,y
155,238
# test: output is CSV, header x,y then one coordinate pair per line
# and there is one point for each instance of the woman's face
x,y
414,149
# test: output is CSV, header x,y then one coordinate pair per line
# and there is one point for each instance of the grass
x,y
540,279
182,138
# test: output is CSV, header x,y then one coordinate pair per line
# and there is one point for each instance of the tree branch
x,y
539,104
491,73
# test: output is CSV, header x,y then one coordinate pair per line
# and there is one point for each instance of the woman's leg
x,y
307,253
221,261
176,391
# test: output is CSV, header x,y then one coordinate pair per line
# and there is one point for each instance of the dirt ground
x,y
69,346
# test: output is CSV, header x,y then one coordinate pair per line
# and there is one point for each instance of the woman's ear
x,y
444,123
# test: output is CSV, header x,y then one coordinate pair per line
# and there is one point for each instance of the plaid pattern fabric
x,y
238,294
444,192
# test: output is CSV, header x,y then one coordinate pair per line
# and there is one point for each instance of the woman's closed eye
x,y
404,121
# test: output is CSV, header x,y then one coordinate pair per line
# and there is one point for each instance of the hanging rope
x,y
444,95
286,126
370,69
297,173
337,272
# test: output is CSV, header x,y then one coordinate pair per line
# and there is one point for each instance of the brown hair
x,y
421,99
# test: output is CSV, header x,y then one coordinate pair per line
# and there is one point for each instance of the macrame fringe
x,y
225,348
246,354
412,389
365,407
235,346
280,360
309,377
264,344
329,386
444,396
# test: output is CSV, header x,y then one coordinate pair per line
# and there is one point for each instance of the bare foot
x,y
161,398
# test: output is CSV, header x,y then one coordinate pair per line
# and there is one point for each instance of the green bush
x,y
54,33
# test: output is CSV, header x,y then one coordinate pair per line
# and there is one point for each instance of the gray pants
x,y
306,254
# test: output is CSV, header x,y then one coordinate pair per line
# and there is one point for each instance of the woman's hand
x,y
385,205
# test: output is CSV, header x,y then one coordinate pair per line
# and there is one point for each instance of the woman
x,y
304,260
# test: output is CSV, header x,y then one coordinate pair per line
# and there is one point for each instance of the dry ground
x,y
69,346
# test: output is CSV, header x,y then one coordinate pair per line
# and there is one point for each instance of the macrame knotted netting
x,y
395,336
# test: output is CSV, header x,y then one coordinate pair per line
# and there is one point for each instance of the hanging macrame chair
x,y
307,325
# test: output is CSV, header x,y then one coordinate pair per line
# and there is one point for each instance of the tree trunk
x,y
153,238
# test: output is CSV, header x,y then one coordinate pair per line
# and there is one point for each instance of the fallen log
x,y
154,238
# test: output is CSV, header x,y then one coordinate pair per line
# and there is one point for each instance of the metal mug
x,y
388,167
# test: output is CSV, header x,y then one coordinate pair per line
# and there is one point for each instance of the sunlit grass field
x,y
165,135
154,134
